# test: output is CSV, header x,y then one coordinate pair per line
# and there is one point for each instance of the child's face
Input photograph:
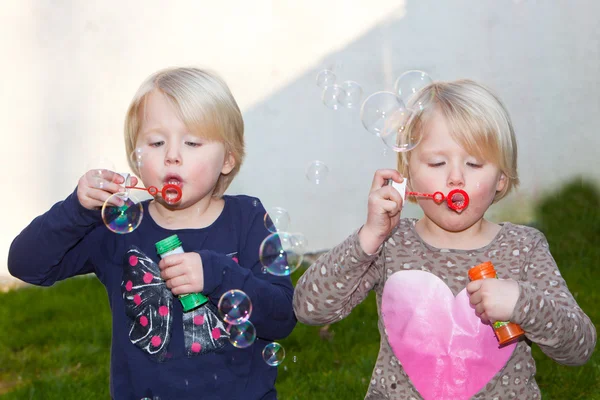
x,y
172,154
439,163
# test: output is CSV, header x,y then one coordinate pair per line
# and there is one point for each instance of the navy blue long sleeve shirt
x,y
70,240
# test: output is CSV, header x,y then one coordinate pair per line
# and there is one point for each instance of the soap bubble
x,y
281,253
137,157
241,335
124,218
273,354
317,171
277,219
395,133
410,83
377,109
350,95
235,307
325,78
331,96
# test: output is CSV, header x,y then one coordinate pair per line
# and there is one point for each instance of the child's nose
x,y
173,156
456,178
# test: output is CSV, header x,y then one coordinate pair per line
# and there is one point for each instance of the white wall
x,y
70,68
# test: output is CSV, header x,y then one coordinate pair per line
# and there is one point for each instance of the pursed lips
x,y
173,179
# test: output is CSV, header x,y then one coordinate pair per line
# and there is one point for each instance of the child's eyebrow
x,y
153,129
434,153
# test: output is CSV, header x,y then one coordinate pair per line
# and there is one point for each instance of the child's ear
x,y
228,163
502,182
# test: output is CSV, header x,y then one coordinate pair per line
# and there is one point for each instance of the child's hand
x,y
494,299
385,204
183,273
96,186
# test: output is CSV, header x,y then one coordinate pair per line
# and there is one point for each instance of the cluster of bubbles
x,y
281,252
385,114
347,94
235,308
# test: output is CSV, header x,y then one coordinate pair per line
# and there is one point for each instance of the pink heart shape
x,y
445,349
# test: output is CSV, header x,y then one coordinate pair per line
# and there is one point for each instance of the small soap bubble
x,y
136,157
277,219
377,109
281,253
122,218
242,335
235,307
325,78
395,133
332,95
317,171
410,82
273,354
351,94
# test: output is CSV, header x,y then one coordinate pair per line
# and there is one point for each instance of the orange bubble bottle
x,y
506,332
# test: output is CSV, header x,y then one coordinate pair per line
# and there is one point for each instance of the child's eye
x,y
439,164
474,165
157,144
193,144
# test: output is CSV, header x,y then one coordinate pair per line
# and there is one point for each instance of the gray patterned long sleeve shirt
x,y
341,278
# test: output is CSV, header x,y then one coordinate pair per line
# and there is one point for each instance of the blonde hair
x,y
205,105
477,119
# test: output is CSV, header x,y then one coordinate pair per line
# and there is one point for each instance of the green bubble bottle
x,y
167,247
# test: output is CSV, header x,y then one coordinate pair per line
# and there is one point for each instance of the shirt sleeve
x,y
547,311
336,283
271,296
52,246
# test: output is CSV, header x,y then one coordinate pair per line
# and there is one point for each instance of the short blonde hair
x,y
477,119
205,105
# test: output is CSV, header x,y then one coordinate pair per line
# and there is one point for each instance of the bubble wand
x,y
457,199
153,191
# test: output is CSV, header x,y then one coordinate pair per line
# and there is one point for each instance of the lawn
x,y
55,341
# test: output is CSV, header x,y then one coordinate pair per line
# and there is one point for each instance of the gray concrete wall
x,y
70,69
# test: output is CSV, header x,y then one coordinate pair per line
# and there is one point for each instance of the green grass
x,y
55,341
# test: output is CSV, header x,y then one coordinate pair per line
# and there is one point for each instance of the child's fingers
x,y
484,317
383,175
389,206
474,286
170,261
101,196
475,298
172,272
183,289
177,281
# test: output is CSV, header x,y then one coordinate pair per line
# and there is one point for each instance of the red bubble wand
x,y
153,191
457,199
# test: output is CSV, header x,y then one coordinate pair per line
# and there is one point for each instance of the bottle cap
x,y
192,300
482,271
168,244
508,333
